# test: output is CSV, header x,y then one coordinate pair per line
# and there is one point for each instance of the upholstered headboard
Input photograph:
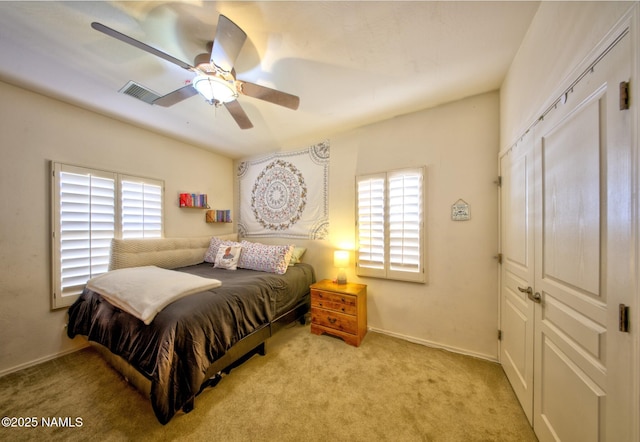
x,y
167,253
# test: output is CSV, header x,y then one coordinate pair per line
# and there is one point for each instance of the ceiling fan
x,y
215,76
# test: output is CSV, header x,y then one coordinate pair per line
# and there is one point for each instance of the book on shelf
x,y
193,200
219,216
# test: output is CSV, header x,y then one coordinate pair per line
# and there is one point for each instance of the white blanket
x,y
144,291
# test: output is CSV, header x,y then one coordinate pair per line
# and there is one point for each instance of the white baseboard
x,y
428,343
10,370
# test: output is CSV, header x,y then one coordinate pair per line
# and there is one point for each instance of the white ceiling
x,y
351,63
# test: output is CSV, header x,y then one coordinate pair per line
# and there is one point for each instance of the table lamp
x,y
341,261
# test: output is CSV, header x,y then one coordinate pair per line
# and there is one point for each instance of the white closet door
x,y
569,237
583,254
517,270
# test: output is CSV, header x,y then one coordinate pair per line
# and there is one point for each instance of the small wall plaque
x,y
460,211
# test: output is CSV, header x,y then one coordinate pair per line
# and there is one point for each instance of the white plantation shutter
x,y
87,214
84,226
371,251
141,208
390,225
405,221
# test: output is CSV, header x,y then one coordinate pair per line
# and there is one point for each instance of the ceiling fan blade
x,y
238,114
176,96
138,44
268,94
227,44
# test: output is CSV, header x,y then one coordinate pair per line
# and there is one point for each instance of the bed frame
x,y
181,252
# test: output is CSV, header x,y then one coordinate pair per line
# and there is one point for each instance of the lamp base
x,y
342,277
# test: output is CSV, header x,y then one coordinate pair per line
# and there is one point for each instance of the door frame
x,y
634,21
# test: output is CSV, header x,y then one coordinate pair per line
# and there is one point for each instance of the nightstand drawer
x,y
334,320
334,301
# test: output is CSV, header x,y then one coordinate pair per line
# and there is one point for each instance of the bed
x,y
193,340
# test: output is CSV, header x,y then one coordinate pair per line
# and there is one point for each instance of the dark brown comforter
x,y
187,336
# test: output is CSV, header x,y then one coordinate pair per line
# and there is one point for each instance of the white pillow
x,y
215,244
227,257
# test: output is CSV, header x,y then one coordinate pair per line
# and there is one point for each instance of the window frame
x,y
383,268
63,297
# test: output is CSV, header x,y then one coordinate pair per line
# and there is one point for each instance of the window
x,y
87,214
390,225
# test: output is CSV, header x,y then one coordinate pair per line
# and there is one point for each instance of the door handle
x,y
528,290
535,297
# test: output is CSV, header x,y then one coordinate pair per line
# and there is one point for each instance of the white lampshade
x,y
215,89
341,260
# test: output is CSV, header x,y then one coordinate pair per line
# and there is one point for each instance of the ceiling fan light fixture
x,y
215,89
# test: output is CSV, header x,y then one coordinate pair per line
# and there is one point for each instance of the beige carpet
x,y
307,388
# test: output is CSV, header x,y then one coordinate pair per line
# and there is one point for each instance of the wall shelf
x,y
193,201
218,216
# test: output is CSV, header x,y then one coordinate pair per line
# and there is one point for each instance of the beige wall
x,y
35,130
458,144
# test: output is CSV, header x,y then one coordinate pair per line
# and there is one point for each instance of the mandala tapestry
x,y
285,194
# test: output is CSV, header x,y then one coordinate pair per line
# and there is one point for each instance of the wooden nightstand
x,y
339,310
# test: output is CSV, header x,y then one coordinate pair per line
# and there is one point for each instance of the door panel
x,y
518,162
571,201
587,334
516,311
568,274
571,403
515,337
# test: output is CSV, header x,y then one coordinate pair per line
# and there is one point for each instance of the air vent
x,y
140,92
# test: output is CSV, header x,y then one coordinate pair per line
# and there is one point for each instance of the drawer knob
x,y
331,320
